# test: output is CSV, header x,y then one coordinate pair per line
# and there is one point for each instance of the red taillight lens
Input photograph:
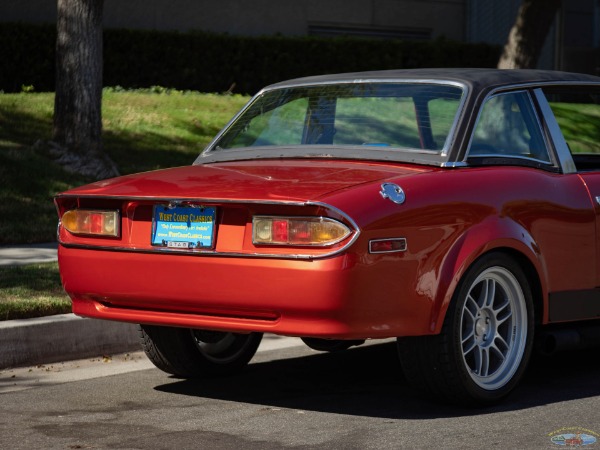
x,y
313,231
91,222
301,232
280,230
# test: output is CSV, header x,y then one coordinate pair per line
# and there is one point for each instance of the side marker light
x,y
392,245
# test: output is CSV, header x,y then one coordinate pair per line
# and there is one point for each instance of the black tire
x,y
191,353
486,340
329,345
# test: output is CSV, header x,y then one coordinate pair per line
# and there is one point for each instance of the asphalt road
x,y
289,397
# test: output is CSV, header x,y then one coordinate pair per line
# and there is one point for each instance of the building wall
x,y
579,33
425,18
573,43
29,11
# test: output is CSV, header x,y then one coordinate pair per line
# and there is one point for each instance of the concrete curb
x,y
63,337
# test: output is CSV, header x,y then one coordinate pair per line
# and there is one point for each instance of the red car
x,y
456,210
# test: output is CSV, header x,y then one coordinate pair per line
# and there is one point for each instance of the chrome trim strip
x,y
337,211
565,159
375,252
212,253
540,84
443,153
212,201
516,157
345,216
455,164
460,112
440,81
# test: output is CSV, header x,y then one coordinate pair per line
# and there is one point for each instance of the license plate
x,y
183,226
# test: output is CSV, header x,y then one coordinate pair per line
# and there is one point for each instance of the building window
x,y
327,30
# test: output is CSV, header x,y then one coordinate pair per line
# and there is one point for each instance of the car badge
x,y
393,192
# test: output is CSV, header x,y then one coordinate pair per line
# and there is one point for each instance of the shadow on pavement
x,y
368,381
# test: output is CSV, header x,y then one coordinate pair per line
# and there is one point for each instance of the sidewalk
x,y
28,254
56,338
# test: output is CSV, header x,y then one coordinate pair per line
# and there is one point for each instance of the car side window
x,y
508,126
577,112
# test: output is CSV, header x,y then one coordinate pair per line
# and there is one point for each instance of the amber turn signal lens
x,y
91,222
313,231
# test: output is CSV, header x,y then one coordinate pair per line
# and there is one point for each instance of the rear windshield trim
x,y
213,153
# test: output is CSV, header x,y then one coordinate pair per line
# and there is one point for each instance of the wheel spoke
x,y
491,293
500,350
482,362
503,311
471,306
468,343
504,319
485,362
470,315
483,294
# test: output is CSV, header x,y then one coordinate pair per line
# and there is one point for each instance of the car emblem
x,y
393,192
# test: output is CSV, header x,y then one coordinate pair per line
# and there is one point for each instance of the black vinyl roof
x,y
476,79
478,84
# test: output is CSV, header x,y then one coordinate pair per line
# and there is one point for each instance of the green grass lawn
x,y
31,291
579,124
142,130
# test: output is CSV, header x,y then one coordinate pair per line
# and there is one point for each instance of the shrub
x,y
209,62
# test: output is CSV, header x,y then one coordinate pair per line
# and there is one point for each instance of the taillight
x,y
313,231
91,222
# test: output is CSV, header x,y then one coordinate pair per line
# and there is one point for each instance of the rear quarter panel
x,y
453,216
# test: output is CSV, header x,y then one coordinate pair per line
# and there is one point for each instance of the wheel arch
x,y
486,339
473,246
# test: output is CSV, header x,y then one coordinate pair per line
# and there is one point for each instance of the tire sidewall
x,y
453,325
173,350
238,354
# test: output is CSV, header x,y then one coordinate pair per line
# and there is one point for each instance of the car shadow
x,y
368,381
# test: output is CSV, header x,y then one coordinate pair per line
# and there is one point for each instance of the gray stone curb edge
x,y
63,337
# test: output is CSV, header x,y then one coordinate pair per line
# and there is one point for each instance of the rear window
x,y
401,116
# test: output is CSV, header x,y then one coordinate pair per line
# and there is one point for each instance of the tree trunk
x,y
77,132
528,34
